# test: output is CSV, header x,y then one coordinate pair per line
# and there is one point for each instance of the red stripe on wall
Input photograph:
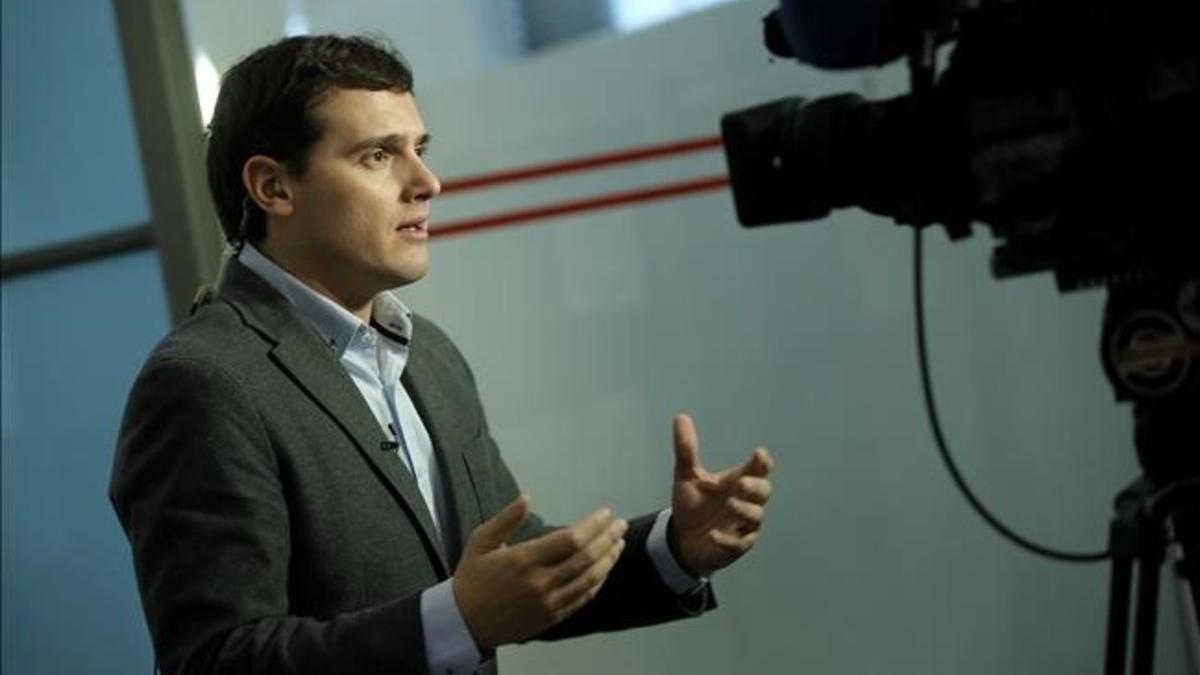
x,y
581,205
584,163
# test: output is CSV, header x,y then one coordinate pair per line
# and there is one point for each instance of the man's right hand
x,y
509,593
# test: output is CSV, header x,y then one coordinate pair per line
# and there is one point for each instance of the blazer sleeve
x,y
196,488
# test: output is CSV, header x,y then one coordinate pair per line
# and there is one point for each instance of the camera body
x,y
1069,128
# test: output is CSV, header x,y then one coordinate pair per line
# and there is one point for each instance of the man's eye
x,y
378,156
422,150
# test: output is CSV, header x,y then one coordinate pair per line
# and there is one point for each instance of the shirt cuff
x,y
449,647
672,573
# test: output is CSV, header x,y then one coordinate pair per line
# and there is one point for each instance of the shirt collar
x,y
334,323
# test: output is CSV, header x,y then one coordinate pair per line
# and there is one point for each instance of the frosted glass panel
x,y
630,15
72,343
70,156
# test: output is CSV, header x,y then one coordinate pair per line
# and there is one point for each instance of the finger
x,y
760,463
597,549
500,527
687,448
567,541
584,587
749,515
733,542
756,490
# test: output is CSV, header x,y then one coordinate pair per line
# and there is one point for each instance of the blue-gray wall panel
x,y
72,343
70,163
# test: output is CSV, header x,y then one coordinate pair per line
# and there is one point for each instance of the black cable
x,y
935,425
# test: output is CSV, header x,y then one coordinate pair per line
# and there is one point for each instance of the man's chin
x,y
410,274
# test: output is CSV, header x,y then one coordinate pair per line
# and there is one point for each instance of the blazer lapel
x,y
312,366
429,400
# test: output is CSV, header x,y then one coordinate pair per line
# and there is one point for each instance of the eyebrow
x,y
387,140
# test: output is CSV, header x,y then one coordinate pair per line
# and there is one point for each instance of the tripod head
x,y
1150,350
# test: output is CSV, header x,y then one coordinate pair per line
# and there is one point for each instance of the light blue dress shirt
x,y
374,355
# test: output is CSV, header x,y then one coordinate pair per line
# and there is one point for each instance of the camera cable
x,y
936,427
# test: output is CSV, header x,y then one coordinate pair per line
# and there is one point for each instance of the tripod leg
x,y
1184,557
1121,541
1150,564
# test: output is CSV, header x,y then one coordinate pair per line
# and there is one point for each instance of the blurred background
x,y
586,331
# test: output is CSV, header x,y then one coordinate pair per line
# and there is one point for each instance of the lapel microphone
x,y
392,445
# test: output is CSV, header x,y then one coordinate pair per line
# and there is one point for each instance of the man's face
x,y
360,219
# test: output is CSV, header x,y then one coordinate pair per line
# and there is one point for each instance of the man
x,y
304,470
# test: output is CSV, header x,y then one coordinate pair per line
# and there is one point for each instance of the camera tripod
x,y
1149,350
1145,523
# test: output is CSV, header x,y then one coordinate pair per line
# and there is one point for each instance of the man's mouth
x,y
419,225
414,230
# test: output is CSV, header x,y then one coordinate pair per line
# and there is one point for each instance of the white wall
x,y
587,333
442,39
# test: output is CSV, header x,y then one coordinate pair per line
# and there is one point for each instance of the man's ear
x,y
268,184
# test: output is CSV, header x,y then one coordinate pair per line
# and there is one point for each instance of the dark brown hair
x,y
266,107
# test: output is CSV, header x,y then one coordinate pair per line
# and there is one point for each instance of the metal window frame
x,y
158,67
75,251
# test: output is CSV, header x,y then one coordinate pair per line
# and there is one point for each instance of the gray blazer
x,y
271,534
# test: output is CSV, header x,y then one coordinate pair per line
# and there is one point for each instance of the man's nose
x,y
422,185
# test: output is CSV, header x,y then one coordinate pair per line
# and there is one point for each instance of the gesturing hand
x,y
715,517
508,593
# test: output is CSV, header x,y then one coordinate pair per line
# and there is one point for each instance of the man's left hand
x,y
716,517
